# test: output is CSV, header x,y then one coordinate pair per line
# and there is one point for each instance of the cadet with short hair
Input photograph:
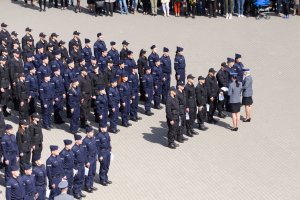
x,y
14,185
39,170
201,99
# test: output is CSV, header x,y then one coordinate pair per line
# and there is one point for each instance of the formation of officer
x,y
46,77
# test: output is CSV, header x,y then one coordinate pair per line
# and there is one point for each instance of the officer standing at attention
x,y
67,157
87,52
47,101
179,65
129,62
134,86
36,135
99,46
63,187
157,74
181,96
10,150
149,90
24,143
172,114
124,50
222,78
104,153
75,41
85,85
102,106
142,63
125,90
74,103
114,54
29,183
59,95
89,142
191,106
27,37
201,99
5,86
14,185
22,94
114,105
153,56
212,94
43,69
102,60
238,66
39,170
79,162
33,86
166,66
55,171
247,94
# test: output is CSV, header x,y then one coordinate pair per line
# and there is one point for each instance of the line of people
x,y
75,164
225,90
189,8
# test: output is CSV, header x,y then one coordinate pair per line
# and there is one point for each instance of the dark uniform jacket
x,y
190,96
36,134
223,77
172,108
142,64
211,86
24,141
181,96
85,87
201,95
22,92
15,66
4,77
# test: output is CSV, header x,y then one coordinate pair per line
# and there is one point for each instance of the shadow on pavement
x,y
158,134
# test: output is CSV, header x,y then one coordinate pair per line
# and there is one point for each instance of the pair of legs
x,y
235,119
166,9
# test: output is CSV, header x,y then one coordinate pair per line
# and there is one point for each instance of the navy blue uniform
x,y
33,87
102,108
102,62
148,88
157,80
99,47
59,92
91,156
124,90
104,149
179,66
151,58
43,69
166,66
29,186
10,152
87,55
129,64
134,95
55,174
79,161
114,102
15,188
238,67
40,181
67,157
58,64
119,72
74,103
114,55
69,75
47,99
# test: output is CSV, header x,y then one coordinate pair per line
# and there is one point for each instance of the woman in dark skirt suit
x,y
247,94
234,93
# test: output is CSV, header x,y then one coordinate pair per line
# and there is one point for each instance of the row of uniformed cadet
x,y
75,164
46,72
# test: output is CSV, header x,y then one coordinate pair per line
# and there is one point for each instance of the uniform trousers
x,y
78,180
114,118
134,106
89,179
41,190
153,7
201,115
172,130
104,167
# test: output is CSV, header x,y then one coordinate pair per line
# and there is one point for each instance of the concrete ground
x,y
261,161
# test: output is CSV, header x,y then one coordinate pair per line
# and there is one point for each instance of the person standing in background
x,y
234,93
247,94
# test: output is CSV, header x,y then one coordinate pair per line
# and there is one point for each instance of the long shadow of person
x,y
29,6
158,134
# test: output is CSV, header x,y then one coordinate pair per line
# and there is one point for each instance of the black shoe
x,y
134,119
114,130
103,183
185,139
51,126
129,124
189,134
138,118
158,107
82,195
180,140
94,188
109,182
125,125
194,132
77,196
172,146
148,113
202,127
214,121
89,190
234,129
221,115
247,120
47,128
44,10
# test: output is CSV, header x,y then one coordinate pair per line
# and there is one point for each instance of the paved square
x,y
261,161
